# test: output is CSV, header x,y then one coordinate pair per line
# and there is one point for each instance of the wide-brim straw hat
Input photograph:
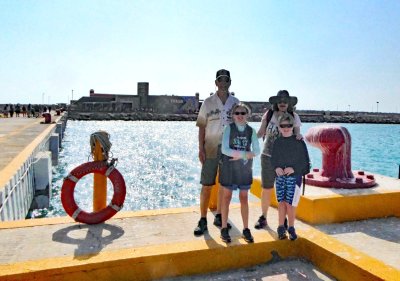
x,y
283,95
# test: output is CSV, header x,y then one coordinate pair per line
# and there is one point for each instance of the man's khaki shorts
x,y
209,169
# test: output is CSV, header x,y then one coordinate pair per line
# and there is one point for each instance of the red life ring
x,y
67,192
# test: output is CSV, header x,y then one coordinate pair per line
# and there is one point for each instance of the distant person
x,y
5,111
23,111
280,104
290,161
29,110
214,115
11,110
239,147
37,110
17,110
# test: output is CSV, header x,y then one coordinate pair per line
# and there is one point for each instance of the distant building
x,y
164,104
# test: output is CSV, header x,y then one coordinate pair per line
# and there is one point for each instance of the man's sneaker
x,y
201,227
281,232
292,233
218,221
261,223
285,224
246,235
225,235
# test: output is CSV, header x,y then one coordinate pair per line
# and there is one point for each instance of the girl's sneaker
x,y
261,223
218,221
281,232
225,235
292,233
247,236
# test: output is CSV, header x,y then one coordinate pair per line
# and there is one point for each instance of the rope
x,y
104,139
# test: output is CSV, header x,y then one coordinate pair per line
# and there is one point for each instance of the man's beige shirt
x,y
214,116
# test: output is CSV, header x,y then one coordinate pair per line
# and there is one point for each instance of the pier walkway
x,y
16,136
157,244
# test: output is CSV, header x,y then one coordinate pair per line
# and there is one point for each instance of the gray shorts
x,y
268,174
209,169
234,187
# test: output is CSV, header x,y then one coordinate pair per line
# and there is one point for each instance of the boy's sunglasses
x,y
224,79
240,113
286,126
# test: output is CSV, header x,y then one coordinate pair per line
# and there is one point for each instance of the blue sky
x,y
332,55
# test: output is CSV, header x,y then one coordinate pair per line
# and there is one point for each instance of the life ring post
x,y
99,181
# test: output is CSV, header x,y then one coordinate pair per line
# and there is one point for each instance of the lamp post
x,y
349,107
377,106
72,95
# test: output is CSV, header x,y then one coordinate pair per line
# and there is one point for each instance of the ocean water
x,y
159,160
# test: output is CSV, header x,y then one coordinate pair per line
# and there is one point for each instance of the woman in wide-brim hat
x,y
283,95
280,104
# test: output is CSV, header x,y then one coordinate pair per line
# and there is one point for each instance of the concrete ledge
x,y
340,260
349,206
194,257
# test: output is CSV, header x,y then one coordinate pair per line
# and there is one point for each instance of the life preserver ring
x,y
67,192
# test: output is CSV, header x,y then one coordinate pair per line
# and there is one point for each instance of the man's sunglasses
x,y
240,113
223,79
286,126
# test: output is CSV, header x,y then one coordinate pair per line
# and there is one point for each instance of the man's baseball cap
x,y
223,72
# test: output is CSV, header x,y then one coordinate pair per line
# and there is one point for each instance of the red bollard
x,y
47,118
335,145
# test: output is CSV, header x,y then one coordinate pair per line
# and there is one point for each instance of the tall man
x,y
214,115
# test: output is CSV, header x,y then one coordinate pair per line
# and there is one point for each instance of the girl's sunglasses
x,y
240,113
286,126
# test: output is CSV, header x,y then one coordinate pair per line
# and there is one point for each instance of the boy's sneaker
x,y
261,223
218,221
292,233
247,236
201,227
281,232
225,235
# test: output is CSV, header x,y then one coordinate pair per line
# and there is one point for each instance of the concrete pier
x,y
21,139
343,234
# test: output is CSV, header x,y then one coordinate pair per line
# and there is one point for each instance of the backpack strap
x,y
269,116
270,112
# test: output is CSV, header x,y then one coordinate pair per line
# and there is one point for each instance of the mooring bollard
x,y
335,144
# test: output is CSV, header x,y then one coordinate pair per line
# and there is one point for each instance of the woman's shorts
x,y
268,174
288,189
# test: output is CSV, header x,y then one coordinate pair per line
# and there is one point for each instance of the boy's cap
x,y
223,72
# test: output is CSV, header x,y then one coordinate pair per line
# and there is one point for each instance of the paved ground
x,y
16,134
288,270
70,239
